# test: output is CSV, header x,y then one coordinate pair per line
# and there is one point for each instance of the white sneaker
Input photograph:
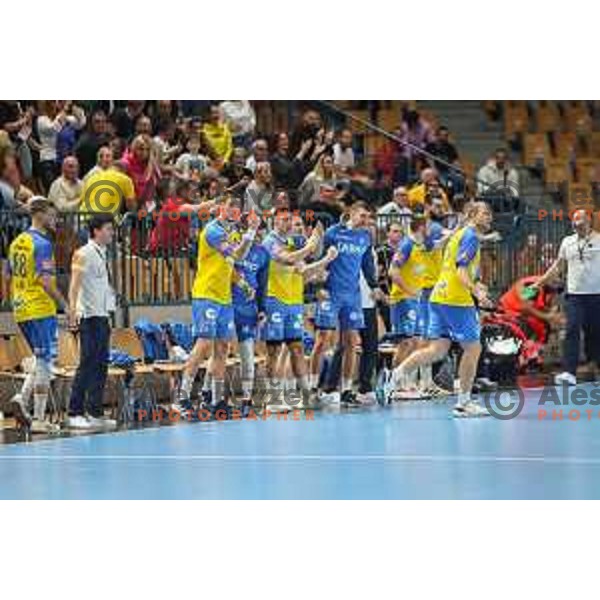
x,y
367,399
470,409
565,377
39,426
330,399
102,422
78,422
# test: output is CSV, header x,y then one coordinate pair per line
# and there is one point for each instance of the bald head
x,y
70,168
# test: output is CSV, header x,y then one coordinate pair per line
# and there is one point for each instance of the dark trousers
x,y
90,379
583,313
368,357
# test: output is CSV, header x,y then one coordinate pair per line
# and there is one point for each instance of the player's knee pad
x,y
246,349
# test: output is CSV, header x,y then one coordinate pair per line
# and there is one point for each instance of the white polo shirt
x,y
583,263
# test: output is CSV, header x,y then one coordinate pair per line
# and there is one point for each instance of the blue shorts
x,y
212,320
42,337
246,322
405,317
285,322
344,312
458,323
424,312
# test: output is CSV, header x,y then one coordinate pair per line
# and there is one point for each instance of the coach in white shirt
x,y
579,253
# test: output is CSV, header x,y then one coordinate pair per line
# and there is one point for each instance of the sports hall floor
x,y
411,450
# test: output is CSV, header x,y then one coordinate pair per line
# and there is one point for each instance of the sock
x,y
39,406
303,383
290,384
207,382
27,389
426,376
346,384
218,390
187,381
247,388
464,398
313,380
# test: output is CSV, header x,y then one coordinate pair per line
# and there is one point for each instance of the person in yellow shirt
x,y
35,298
428,188
107,190
454,316
212,300
218,135
407,270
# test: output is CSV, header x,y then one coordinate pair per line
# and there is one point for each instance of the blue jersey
x,y
354,254
253,268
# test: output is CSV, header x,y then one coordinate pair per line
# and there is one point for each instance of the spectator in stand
x,y
91,141
171,235
50,122
429,186
260,153
143,126
65,191
218,136
306,130
498,181
191,164
67,136
143,169
327,207
322,174
442,148
416,131
13,194
343,155
259,195
108,190
17,122
164,143
163,110
236,174
124,119
392,168
104,160
288,172
397,209
240,117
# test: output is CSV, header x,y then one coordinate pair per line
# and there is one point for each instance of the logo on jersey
x,y
211,314
276,317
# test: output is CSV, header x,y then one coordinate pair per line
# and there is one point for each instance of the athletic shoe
x,y
183,409
470,409
205,398
565,377
38,426
102,422
20,412
224,408
348,398
408,394
367,399
78,422
330,399
434,391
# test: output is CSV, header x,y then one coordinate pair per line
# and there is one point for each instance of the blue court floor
x,y
412,450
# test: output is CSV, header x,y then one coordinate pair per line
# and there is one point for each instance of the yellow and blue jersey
x,y
462,251
284,283
215,264
30,258
411,261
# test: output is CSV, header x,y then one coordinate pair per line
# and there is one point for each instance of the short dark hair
x,y
98,221
39,205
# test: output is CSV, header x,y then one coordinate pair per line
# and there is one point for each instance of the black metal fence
x,y
153,259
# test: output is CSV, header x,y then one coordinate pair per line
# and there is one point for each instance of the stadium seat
x,y
557,172
536,149
564,144
587,170
547,117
